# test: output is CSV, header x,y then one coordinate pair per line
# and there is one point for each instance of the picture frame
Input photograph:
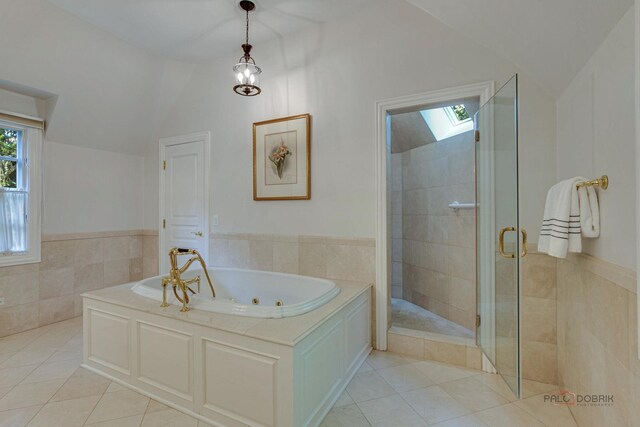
x,y
282,159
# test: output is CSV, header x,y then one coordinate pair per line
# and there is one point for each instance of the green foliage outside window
x,y
461,113
8,148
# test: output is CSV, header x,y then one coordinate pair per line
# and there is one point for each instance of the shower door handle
x,y
524,243
501,243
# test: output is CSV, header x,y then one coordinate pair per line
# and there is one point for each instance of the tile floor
x,y
410,316
398,391
41,384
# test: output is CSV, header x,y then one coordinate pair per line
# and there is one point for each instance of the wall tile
x,y
285,257
462,262
539,276
55,310
261,255
355,263
50,291
538,319
539,362
149,267
313,259
116,248
136,246
19,289
56,282
150,247
57,254
135,269
116,272
88,251
18,318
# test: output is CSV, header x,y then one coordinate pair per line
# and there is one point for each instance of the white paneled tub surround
x,y
225,369
236,289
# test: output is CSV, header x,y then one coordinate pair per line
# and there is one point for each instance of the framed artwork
x,y
282,159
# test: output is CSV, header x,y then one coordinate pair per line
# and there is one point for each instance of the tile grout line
x,y
40,364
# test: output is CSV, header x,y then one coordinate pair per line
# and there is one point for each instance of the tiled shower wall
x,y
47,292
396,226
438,244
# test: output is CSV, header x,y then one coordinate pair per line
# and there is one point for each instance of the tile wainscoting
x,y
338,258
538,317
598,338
49,291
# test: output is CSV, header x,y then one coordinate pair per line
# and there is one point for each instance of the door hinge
x,y
477,320
164,165
164,223
477,136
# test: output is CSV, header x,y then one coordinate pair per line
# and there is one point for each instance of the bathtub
x,y
249,293
228,370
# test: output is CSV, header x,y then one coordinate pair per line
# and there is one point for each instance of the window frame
x,y
29,179
453,117
19,159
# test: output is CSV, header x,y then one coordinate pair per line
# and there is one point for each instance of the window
x,y
20,190
446,122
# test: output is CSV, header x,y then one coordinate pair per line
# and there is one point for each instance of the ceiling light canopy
x,y
246,71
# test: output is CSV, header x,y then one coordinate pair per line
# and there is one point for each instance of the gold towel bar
x,y
602,182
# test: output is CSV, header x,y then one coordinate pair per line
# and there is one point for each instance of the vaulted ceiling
x,y
199,30
550,40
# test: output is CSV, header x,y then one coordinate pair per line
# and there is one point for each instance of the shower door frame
x,y
483,90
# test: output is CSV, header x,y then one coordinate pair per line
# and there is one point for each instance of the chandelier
x,y
246,70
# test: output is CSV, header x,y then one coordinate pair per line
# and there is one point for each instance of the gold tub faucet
x,y
176,280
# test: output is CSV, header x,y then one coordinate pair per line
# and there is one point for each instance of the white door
x,y
183,193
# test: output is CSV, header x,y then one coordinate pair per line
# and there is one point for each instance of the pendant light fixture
x,y
246,70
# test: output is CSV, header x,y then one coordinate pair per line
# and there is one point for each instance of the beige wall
x,y
49,291
438,244
598,338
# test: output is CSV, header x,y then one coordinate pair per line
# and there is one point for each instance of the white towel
x,y
589,212
569,214
561,228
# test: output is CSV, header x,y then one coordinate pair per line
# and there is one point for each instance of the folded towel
x,y
561,225
589,212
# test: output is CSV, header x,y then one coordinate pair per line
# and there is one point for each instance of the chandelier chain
x,y
247,34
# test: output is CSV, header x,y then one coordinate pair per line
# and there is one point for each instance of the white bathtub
x,y
236,289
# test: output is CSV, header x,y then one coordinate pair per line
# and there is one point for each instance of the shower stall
x,y
433,218
453,224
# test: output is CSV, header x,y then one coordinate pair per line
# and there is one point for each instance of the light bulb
x,y
252,79
247,73
239,77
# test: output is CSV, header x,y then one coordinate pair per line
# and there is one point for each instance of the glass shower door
x,y
498,232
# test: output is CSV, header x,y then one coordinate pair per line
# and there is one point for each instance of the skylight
x,y
446,122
